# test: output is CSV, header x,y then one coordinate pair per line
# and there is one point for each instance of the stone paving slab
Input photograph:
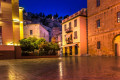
x,y
66,68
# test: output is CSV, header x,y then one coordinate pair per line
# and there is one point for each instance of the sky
x,y
62,7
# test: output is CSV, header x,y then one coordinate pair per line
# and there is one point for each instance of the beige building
x,y
11,22
36,30
104,27
74,40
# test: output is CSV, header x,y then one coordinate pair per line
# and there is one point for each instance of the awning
x,y
68,45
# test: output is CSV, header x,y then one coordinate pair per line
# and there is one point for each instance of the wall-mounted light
x,y
10,43
16,20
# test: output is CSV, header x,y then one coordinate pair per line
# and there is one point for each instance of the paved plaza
x,y
66,68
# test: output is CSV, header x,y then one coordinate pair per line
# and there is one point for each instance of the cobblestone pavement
x,y
69,68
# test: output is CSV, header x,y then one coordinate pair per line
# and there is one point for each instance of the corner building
x,y
74,40
11,22
104,27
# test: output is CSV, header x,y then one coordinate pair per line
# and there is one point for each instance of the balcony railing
x,y
69,41
69,30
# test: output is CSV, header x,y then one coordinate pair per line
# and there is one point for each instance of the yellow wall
x,y
73,28
10,22
15,18
81,35
21,22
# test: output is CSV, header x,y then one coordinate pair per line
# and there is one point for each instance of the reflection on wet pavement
x,y
66,68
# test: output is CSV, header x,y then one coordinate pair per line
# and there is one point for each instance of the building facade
x,y
55,32
74,40
104,27
11,22
36,30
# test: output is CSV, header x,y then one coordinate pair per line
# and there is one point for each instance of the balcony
x,y
68,30
69,41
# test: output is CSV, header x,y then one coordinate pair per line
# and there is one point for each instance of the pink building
x,y
36,30
55,32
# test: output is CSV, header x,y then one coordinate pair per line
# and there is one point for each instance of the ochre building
x,y
104,27
11,22
74,41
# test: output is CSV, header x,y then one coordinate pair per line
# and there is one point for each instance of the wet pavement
x,y
69,68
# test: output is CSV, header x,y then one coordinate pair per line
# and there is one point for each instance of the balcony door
x,y
76,49
70,50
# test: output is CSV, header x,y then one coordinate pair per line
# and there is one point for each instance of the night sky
x,y
62,7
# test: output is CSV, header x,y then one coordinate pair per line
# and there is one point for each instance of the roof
x,y
82,12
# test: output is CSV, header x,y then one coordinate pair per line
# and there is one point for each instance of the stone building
x,y
11,22
104,27
74,40
55,32
36,30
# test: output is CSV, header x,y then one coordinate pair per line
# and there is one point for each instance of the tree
x,y
26,45
55,16
49,16
41,41
40,14
66,16
60,17
43,15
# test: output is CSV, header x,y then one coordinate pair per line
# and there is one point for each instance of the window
x,y
70,25
98,3
65,27
75,35
118,17
98,23
75,23
0,35
98,45
31,32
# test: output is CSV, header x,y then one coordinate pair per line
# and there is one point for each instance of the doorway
x,y
70,50
117,45
76,49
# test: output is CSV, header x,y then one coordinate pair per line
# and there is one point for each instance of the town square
x,y
59,40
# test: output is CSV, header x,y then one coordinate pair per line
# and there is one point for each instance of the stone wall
x,y
109,27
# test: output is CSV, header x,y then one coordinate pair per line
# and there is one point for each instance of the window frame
x,y
97,3
98,45
75,23
65,27
31,33
118,20
70,25
75,35
98,25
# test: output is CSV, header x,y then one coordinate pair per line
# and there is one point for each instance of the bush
x,y
33,44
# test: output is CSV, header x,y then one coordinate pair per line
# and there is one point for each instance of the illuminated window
x,y
98,45
118,17
31,32
65,27
98,23
98,3
75,23
0,35
75,35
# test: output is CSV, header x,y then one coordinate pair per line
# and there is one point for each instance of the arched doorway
x,y
117,45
